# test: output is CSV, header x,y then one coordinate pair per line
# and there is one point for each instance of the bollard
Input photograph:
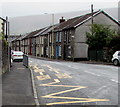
x,y
25,60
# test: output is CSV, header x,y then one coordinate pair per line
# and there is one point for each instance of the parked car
x,y
116,58
17,55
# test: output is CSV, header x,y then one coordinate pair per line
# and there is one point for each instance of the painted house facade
x,y
66,40
74,34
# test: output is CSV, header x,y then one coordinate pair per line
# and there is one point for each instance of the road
x,y
75,83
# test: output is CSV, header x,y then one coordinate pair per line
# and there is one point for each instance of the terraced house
x,y
67,40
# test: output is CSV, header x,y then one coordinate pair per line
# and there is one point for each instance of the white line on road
x,y
41,73
114,80
92,73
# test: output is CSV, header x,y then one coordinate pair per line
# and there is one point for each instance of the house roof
x,y
70,23
77,21
41,31
32,33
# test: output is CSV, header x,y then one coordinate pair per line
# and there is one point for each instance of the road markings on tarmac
x,y
74,88
39,70
41,73
114,80
55,81
43,77
58,74
51,68
92,73
56,94
63,75
21,68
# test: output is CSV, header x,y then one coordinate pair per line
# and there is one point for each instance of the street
x,y
75,83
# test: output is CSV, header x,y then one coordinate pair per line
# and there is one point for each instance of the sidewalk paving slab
x,y
17,86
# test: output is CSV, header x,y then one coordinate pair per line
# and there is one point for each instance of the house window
x,y
50,38
42,40
42,50
58,51
60,36
57,37
69,52
47,50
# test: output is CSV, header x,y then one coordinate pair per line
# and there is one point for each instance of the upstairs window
x,y
58,36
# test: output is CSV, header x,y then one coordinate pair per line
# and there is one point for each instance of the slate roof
x,y
70,23
77,21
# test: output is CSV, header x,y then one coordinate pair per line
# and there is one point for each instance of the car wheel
x,y
115,62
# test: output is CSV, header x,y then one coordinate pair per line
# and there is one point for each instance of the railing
x,y
25,60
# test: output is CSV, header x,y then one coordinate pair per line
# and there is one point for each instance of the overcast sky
x,y
14,8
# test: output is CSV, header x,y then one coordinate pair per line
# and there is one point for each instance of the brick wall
x,y
0,56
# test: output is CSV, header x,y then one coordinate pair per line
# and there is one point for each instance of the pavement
x,y
17,87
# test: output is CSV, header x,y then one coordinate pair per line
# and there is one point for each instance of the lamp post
x,y
51,52
52,36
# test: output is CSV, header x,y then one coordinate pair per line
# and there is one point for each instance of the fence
x,y
97,55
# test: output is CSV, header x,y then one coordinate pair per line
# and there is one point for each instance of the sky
x,y
15,8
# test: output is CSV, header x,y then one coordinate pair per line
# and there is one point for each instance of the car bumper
x,y
17,58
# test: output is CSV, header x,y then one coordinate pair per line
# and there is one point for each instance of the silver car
x,y
116,58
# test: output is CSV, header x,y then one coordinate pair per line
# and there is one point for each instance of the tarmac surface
x,y
17,86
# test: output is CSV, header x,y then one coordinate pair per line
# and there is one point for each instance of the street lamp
x,y
52,35
51,54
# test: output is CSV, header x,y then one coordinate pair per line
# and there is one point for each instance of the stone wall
x,y
5,61
0,56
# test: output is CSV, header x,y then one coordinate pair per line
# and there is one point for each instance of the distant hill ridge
x,y
25,24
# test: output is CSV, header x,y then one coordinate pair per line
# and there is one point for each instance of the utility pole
x,y
92,17
6,35
52,36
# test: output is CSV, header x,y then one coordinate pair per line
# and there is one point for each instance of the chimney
x,y
61,20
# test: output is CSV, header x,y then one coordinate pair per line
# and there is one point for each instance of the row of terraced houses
x,y
65,40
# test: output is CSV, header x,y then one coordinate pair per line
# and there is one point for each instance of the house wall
x,y
1,21
80,46
37,46
103,19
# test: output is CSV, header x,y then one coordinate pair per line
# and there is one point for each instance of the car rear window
x,y
118,53
18,53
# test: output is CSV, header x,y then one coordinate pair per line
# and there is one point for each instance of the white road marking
x,y
92,73
114,80
41,73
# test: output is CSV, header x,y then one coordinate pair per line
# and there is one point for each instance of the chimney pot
x,y
61,20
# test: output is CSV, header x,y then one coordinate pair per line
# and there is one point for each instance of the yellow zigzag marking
x,y
69,90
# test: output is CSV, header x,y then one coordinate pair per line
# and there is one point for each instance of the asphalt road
x,y
71,83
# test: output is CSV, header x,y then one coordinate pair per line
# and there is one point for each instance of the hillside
x,y
25,24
